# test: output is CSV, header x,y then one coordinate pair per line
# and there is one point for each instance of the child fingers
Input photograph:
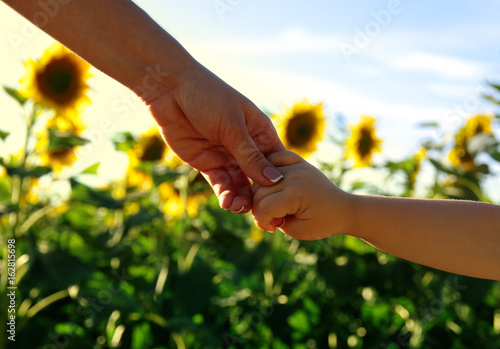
x,y
297,228
255,187
262,192
269,208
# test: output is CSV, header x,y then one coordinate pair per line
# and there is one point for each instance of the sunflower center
x,y
153,151
58,81
300,129
365,143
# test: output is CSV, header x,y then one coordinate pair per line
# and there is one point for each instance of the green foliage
x,y
108,270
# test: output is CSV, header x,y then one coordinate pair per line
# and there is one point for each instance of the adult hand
x,y
207,123
220,133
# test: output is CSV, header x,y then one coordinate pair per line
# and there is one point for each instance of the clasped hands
x,y
222,134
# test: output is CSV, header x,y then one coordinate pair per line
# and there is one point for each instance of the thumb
x,y
250,159
284,158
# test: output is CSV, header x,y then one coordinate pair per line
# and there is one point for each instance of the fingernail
x,y
240,210
282,223
271,174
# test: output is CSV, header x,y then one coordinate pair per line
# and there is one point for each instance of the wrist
x,y
351,214
340,211
361,205
160,72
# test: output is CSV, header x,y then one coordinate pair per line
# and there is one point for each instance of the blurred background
x,y
121,245
404,62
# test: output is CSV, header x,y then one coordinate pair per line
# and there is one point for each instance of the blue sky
x,y
403,62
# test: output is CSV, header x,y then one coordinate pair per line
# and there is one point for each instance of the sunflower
x,y
478,124
459,155
363,142
58,150
32,195
149,148
301,127
418,157
171,198
57,81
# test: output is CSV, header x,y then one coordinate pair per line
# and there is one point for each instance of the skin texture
x,y
461,237
207,123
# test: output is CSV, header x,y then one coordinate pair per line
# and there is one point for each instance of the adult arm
x,y
208,124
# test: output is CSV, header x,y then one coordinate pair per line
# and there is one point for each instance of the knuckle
x,y
254,156
265,206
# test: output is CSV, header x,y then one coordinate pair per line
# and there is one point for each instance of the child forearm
x,y
457,236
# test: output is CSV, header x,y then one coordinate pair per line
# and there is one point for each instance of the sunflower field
x,y
151,261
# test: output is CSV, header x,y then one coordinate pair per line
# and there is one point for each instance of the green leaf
x,y
142,336
16,95
299,321
491,99
98,198
80,218
62,269
407,166
123,141
428,124
92,169
141,217
480,143
496,86
36,172
4,134
442,168
358,185
6,208
161,173
59,141
194,289
431,145
494,153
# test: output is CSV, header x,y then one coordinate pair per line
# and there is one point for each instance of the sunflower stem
x,y
17,180
16,194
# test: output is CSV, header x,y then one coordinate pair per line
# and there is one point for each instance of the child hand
x,y
307,204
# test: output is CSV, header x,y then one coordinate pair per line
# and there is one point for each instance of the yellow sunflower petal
x,y
149,147
57,81
363,142
301,127
171,200
58,159
478,124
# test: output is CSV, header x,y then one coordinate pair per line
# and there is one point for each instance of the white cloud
x,y
289,40
445,66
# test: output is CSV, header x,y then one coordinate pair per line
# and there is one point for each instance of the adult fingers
x,y
253,163
242,201
220,181
248,142
231,187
